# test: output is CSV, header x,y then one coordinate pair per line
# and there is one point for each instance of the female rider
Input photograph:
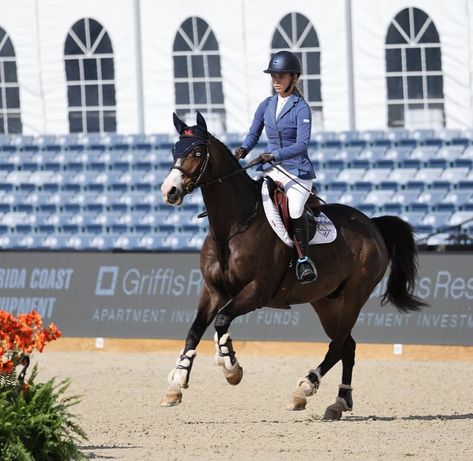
x,y
287,119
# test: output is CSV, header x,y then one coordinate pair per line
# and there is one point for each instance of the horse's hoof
x,y
171,398
299,400
334,412
233,377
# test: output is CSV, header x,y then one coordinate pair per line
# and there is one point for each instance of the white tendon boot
x,y
178,379
225,357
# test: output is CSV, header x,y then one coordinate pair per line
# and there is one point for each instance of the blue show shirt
x,y
288,135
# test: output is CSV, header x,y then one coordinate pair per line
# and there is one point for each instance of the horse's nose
x,y
173,195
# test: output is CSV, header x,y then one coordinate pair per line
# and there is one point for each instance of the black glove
x,y
264,158
241,152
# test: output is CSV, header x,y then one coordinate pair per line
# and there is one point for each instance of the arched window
x,y
197,75
90,74
414,75
10,115
296,33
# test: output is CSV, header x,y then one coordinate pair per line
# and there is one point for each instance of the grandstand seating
x,y
102,192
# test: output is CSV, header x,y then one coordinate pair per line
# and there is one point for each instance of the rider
x,y
287,119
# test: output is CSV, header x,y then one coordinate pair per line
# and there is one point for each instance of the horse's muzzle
x,y
174,197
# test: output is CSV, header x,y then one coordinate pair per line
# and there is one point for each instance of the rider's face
x,y
282,83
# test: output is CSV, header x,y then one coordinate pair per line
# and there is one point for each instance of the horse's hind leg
x,y
344,400
337,320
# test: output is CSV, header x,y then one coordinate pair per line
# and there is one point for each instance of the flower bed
x,y
35,418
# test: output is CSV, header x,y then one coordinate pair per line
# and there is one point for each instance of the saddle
x,y
279,198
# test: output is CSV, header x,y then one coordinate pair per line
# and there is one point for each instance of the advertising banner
x,y
155,295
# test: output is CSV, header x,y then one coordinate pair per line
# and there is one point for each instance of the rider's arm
x,y
256,127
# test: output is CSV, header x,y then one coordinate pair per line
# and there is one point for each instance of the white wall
x,y
244,29
371,19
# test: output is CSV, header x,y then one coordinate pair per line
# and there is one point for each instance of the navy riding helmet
x,y
284,62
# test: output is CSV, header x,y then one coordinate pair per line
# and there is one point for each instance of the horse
x,y
246,266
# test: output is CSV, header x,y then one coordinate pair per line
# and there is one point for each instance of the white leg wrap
x,y
218,360
222,349
180,374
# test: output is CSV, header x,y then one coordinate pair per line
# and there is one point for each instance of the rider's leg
x,y
305,267
298,191
297,197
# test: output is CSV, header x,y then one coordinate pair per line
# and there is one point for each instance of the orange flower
x,y
6,367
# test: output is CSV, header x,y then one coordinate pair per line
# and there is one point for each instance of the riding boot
x,y
305,268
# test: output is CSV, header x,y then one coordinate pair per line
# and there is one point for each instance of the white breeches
x,y
296,194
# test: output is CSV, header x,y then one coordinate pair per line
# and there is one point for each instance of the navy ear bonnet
x,y
189,137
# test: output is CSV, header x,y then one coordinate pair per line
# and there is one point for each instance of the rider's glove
x,y
241,153
264,158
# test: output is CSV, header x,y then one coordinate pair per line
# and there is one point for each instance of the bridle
x,y
196,178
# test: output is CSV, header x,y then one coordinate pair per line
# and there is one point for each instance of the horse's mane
x,y
228,152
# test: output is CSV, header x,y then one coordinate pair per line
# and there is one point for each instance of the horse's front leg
x,y
178,378
247,300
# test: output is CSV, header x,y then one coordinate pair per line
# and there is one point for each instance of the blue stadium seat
x,y
355,196
197,240
398,153
373,135
451,152
373,153
403,174
379,172
348,153
464,215
415,213
328,173
424,153
395,209
379,196
455,174
435,193
368,209
355,173
408,193
397,134
447,134
439,215
423,134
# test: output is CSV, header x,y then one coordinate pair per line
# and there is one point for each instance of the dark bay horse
x,y
246,266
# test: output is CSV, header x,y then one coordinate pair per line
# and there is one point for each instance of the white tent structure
x,y
126,65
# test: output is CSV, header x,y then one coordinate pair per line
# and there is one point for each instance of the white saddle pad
x,y
326,231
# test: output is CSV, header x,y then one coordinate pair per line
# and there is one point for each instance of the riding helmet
x,y
284,62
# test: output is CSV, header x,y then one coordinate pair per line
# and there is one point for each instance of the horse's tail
x,y
398,236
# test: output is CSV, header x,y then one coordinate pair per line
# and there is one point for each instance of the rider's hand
x,y
241,153
264,158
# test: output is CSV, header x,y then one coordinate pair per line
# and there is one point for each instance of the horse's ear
x,y
201,121
178,123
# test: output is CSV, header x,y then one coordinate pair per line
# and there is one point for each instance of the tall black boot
x,y
305,269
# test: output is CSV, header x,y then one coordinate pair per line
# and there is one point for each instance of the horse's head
x,y
191,160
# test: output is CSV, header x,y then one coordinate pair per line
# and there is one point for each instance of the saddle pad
x,y
326,231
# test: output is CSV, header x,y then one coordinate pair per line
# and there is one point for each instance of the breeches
x,y
296,194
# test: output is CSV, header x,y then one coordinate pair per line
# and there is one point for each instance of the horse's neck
x,y
232,203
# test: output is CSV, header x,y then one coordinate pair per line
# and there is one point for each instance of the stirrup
x,y
305,270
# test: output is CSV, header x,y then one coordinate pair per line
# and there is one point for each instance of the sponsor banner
x,y
155,295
